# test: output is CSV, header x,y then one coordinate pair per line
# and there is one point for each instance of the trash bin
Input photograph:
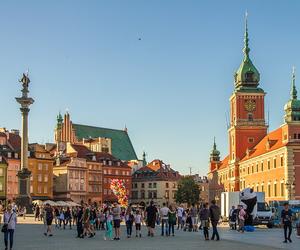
x,y
298,229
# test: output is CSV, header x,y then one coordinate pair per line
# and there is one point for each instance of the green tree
x,y
188,191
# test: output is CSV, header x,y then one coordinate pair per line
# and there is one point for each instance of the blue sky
x,y
171,88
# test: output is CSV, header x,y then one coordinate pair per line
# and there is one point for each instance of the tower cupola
x,y
215,154
247,76
292,107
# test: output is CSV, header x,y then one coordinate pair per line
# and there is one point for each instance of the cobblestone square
x,y
30,237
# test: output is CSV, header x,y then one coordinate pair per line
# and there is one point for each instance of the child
x,y
138,221
109,227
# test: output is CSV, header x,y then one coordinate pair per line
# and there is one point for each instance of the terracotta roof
x,y
274,139
15,141
224,162
82,151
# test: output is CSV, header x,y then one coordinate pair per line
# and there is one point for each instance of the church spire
x,y
293,89
247,76
215,154
246,48
292,107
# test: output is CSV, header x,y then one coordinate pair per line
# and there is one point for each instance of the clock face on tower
x,y
250,105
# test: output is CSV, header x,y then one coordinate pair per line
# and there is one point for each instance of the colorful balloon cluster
x,y
119,190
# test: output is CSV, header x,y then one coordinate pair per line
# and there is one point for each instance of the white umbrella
x,y
51,203
62,204
73,204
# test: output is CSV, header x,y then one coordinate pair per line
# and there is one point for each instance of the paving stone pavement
x,y
30,237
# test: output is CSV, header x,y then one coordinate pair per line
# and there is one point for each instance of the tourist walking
x,y
48,211
138,222
172,219
68,218
164,212
37,213
116,212
242,217
179,217
286,219
10,221
129,218
194,212
214,213
151,214
109,226
204,218
79,222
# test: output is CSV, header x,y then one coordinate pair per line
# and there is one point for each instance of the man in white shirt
x,y
164,211
179,216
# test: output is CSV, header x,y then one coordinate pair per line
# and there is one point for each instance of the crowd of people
x,y
90,218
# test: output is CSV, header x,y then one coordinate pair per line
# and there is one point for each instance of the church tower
x,y
247,108
247,114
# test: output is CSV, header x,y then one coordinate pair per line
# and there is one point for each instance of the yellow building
x,y
41,167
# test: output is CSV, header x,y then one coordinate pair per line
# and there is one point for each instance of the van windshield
x,y
263,207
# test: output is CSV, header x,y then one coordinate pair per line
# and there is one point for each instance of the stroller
x,y
188,224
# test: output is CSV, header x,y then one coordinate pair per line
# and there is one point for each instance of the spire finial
x,y
246,49
293,90
215,145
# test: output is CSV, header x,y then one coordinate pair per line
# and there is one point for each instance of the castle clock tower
x,y
247,113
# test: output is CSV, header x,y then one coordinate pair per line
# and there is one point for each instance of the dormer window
x,y
249,76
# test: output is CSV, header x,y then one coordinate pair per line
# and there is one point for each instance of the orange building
x,y
267,162
40,163
78,175
114,169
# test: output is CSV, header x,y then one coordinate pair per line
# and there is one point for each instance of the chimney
x,y
15,131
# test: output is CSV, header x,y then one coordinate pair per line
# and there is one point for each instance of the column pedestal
x,y
24,199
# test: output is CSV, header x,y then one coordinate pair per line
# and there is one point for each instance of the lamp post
x,y
24,199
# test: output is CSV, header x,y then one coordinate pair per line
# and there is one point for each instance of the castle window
x,y
249,76
282,189
281,161
298,136
269,165
269,190
250,117
274,162
295,136
275,189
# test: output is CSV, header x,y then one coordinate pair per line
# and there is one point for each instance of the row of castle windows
x,y
261,167
252,169
271,190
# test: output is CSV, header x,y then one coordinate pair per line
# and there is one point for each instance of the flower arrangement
x,y
119,190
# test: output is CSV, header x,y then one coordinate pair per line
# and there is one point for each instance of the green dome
x,y
247,76
292,107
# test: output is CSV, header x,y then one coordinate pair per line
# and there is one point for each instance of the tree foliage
x,y
188,191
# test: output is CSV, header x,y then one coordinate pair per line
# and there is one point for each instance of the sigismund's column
x,y
24,198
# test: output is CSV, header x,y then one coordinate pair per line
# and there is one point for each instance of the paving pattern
x,y
30,237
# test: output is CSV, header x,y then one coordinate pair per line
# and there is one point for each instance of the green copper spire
x,y
292,108
246,49
247,76
144,159
293,89
59,119
215,154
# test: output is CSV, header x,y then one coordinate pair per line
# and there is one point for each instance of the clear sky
x,y
171,88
